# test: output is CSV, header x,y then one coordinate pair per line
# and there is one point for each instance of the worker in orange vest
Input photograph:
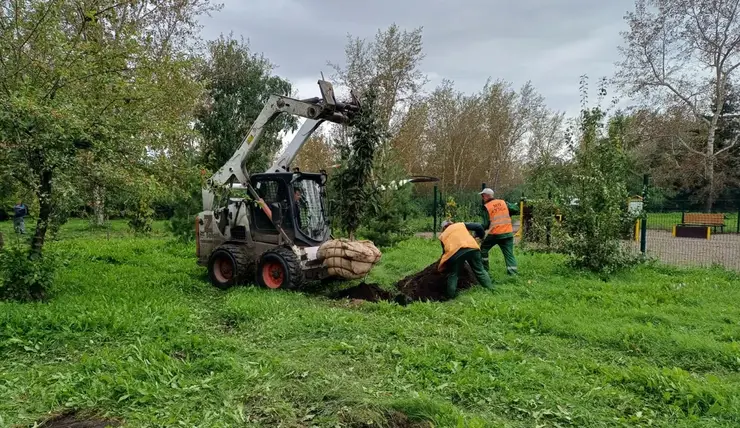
x,y
498,231
458,247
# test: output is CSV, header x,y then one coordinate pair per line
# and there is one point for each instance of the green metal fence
x,y
677,232
686,233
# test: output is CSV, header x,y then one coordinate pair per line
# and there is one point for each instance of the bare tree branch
x,y
691,149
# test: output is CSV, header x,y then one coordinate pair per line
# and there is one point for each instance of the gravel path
x,y
722,249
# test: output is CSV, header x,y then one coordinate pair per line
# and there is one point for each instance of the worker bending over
x,y
499,231
458,247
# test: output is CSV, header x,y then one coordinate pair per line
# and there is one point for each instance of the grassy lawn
x,y
135,332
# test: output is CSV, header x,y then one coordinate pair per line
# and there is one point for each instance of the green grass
x,y
134,331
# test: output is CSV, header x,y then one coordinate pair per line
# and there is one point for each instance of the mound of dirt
x,y
364,291
431,284
72,420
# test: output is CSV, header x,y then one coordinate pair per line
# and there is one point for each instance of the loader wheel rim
x,y
223,269
273,275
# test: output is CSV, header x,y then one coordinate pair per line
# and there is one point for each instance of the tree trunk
x,y
709,173
98,206
710,189
42,224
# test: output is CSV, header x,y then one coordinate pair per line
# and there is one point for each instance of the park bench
x,y
713,220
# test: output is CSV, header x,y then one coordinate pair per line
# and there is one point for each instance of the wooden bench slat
x,y
704,219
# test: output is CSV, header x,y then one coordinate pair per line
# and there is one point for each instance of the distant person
x,y
458,247
20,211
500,231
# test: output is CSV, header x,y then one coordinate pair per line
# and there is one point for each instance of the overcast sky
x,y
550,42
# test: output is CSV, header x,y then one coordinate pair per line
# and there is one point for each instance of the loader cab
x,y
299,200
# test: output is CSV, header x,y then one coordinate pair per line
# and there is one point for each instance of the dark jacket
x,y
20,210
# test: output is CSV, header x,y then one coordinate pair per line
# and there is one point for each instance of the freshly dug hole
x,y
364,291
431,284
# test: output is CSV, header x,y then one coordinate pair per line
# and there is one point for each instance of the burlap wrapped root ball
x,y
349,259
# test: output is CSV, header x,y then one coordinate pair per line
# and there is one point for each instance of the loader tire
x,y
228,266
280,268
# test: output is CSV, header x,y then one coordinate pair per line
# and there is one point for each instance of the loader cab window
x,y
270,191
309,210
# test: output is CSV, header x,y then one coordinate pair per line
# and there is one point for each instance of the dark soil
x,y
364,291
431,284
72,420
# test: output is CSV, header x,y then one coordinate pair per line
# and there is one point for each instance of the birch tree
x,y
685,52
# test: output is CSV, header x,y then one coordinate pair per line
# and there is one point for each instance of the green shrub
x,y
141,217
23,278
185,207
385,225
595,224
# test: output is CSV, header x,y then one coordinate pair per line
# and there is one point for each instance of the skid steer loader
x,y
269,226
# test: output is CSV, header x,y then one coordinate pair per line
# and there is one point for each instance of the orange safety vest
x,y
455,238
498,214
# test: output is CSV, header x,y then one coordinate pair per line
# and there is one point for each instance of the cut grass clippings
x,y
134,333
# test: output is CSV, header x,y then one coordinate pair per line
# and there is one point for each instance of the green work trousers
x,y
507,248
456,263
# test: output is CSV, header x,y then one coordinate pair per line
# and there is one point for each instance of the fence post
x,y
643,225
738,220
434,211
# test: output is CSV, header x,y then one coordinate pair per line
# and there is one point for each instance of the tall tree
x,y
685,51
391,61
109,77
238,84
352,183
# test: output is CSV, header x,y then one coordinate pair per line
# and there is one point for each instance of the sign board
x,y
634,206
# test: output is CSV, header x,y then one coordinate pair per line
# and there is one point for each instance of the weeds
x,y
135,333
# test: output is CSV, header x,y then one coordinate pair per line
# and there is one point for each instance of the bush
x,y
595,225
141,217
450,208
185,207
386,225
22,278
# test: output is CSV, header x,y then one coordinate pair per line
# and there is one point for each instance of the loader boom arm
x,y
282,164
315,110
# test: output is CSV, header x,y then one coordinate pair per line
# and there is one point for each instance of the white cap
x,y
445,224
487,191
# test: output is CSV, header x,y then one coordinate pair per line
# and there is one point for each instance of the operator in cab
x,y
458,247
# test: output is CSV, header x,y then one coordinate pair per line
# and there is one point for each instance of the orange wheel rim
x,y
273,275
223,269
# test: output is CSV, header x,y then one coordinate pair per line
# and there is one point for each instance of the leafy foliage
x,y
390,205
186,206
141,216
595,200
451,208
87,79
24,278
238,84
352,184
